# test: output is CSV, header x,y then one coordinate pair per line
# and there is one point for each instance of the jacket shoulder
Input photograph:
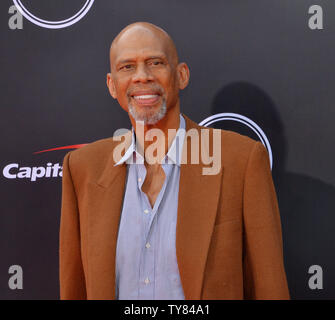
x,y
92,150
237,142
233,141
89,161
236,148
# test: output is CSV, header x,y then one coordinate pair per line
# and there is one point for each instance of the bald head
x,y
140,30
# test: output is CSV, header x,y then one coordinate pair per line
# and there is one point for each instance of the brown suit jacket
x,y
228,237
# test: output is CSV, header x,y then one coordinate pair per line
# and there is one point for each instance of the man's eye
x,y
126,67
156,63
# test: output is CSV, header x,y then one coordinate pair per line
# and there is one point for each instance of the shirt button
x,y
146,211
148,245
139,179
147,281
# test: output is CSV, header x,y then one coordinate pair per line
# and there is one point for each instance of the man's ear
x,y
111,86
183,75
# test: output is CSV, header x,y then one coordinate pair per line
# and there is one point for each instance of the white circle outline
x,y
245,120
54,24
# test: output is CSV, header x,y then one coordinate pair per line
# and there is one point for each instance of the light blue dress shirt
x,y
146,261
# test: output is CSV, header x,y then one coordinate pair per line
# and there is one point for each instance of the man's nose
x,y
142,74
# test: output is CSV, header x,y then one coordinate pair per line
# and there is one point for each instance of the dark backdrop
x,y
258,59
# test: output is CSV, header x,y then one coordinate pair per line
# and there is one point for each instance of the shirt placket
x,y
149,222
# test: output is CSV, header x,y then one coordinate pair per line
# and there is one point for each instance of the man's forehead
x,y
144,54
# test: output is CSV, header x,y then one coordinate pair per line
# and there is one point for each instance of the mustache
x,y
154,88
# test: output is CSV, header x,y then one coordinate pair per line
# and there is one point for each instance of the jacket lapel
x,y
106,197
197,207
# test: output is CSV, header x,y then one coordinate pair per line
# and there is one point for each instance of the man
x,y
134,228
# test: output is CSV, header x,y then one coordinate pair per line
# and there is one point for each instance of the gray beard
x,y
149,117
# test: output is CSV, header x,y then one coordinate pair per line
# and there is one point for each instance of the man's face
x,y
144,75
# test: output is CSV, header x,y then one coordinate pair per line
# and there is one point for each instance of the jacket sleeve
x,y
263,266
71,273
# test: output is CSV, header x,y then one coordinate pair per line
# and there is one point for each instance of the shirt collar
x,y
173,156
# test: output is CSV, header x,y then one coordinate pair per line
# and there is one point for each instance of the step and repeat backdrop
x,y
262,68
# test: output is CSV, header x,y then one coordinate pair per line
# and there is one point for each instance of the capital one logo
x,y
16,171
66,22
